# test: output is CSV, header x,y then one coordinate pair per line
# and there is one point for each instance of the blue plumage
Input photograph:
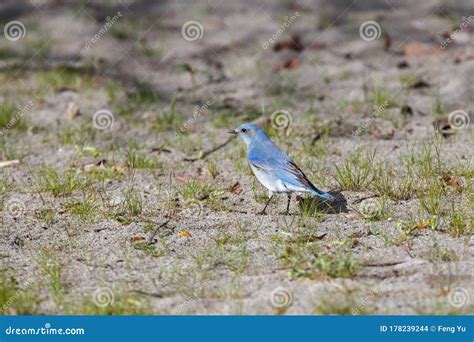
x,y
273,167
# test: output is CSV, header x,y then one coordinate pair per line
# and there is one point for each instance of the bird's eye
x,y
244,130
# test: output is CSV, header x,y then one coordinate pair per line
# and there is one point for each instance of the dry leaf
x,y
417,49
137,239
293,43
118,169
463,58
184,233
236,188
423,224
387,134
403,65
182,178
387,41
317,46
7,163
420,84
290,64
95,165
454,181
72,111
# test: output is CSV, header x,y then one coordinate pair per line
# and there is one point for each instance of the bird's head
x,y
247,132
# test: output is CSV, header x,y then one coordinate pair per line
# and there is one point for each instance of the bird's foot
x,y
262,212
286,213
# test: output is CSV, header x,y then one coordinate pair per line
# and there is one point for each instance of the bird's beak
x,y
232,131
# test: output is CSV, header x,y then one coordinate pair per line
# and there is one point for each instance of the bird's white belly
x,y
272,183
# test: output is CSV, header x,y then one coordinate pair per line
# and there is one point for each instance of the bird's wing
x,y
285,169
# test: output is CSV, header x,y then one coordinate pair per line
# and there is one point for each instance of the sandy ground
x,y
129,198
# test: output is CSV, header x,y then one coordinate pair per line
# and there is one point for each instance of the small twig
x,y
364,198
212,150
383,264
150,240
144,293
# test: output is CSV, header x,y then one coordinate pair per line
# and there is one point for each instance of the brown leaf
x,y
417,49
387,41
96,164
454,181
72,111
387,134
290,64
137,239
403,65
118,169
420,84
293,43
443,127
406,110
422,225
317,46
236,188
182,178
463,58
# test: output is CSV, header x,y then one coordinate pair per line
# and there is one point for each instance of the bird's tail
x,y
323,195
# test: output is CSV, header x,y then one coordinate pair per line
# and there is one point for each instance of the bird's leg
x,y
266,205
287,212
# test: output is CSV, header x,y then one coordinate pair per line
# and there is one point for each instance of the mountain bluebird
x,y
273,168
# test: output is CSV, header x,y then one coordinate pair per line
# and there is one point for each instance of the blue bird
x,y
273,167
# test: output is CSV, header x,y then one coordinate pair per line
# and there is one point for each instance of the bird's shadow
x,y
334,206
